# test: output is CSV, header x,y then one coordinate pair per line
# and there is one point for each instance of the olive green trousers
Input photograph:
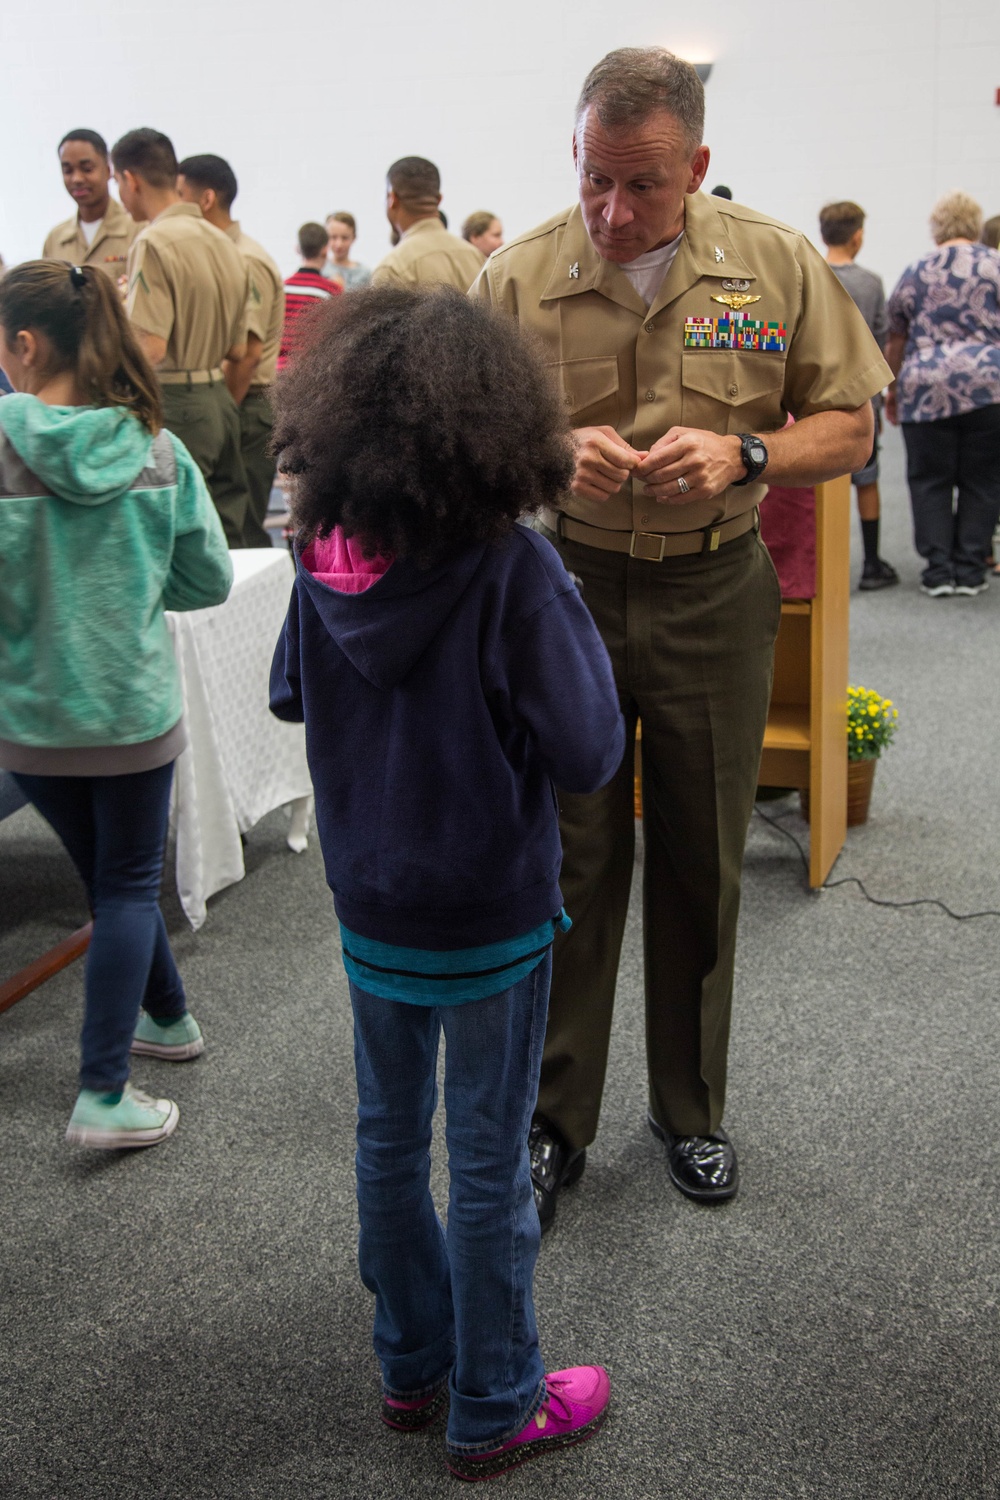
x,y
691,640
207,421
256,421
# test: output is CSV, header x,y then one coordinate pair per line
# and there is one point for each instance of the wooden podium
x,y
805,742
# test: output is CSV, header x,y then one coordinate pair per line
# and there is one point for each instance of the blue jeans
x,y
114,829
456,1306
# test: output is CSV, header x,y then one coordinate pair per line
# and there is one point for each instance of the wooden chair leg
x,y
34,974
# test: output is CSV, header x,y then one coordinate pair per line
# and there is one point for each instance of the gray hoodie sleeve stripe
x,y
17,482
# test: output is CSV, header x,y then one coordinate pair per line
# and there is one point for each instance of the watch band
x,y
749,441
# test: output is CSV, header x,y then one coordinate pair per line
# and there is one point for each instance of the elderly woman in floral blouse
x,y
944,348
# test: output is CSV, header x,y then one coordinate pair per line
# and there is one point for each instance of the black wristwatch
x,y
754,456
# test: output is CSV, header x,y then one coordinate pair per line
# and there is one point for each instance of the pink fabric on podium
x,y
788,530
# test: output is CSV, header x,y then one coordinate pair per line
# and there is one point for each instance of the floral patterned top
x,y
948,306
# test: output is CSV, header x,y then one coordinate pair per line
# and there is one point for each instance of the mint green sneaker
x,y
177,1042
136,1120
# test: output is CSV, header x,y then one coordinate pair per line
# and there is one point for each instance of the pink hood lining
x,y
340,563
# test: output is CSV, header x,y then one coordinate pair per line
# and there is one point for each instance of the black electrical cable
x,y
831,885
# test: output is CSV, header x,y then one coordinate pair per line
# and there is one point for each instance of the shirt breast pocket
x,y
590,390
729,391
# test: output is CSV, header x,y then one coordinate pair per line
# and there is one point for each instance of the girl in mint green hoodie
x,y
105,522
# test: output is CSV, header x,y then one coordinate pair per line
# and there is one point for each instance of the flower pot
x,y
860,776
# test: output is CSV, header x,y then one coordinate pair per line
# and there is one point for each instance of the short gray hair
x,y
632,83
956,217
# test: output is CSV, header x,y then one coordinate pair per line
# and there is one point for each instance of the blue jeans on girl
x,y
455,1304
115,829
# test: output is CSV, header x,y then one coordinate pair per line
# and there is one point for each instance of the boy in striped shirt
x,y
308,288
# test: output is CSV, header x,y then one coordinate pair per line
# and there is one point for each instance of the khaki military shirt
x,y
266,305
800,347
188,284
109,248
429,255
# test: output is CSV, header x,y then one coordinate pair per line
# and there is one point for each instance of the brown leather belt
x,y
190,377
650,546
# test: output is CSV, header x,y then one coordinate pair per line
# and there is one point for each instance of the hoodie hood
x,y
385,630
87,454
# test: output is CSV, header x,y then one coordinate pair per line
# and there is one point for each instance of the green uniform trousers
x,y
207,421
256,421
691,640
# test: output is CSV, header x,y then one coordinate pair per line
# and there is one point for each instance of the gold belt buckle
x,y
647,536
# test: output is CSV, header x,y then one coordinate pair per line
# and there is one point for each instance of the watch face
x,y
757,453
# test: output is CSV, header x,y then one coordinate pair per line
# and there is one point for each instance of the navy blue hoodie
x,y
440,707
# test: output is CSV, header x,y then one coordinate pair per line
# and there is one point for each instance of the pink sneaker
x,y
413,1416
575,1405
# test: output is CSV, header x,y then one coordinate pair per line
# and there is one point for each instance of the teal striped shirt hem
x,y
453,976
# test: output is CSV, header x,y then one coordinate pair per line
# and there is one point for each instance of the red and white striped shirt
x,y
304,292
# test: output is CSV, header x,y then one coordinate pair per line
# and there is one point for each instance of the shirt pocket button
x,y
650,395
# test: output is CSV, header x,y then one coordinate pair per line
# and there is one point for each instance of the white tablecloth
x,y
241,762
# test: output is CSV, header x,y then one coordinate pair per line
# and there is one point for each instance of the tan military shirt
x,y
429,255
188,284
800,347
109,248
266,305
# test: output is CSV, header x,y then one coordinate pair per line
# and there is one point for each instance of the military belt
x,y
190,377
650,546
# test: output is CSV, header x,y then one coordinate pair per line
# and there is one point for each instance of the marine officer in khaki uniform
x,y
100,233
210,182
683,329
427,254
188,289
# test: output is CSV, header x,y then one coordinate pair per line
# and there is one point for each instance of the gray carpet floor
x,y
188,1321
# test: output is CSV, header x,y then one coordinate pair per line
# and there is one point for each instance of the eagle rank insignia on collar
x,y
574,271
735,300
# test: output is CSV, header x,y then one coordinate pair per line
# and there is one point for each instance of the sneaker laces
x,y
138,1097
553,1389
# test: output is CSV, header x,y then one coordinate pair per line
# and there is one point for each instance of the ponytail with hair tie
x,y
79,311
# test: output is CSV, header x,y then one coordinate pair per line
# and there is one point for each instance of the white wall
x,y
889,102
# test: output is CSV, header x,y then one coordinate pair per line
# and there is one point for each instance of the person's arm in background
x,y
899,314
894,350
240,372
149,303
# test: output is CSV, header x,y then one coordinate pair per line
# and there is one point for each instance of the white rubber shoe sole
x,y
111,1139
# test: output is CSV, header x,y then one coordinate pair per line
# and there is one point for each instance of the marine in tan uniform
x,y
427,254
210,182
100,233
683,329
188,289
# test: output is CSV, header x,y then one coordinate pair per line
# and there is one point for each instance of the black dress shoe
x,y
701,1166
553,1166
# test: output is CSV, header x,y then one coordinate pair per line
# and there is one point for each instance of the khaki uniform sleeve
x,y
833,362
481,290
386,274
50,250
492,286
241,326
260,303
149,303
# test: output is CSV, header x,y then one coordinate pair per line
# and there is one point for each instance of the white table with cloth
x,y
241,762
